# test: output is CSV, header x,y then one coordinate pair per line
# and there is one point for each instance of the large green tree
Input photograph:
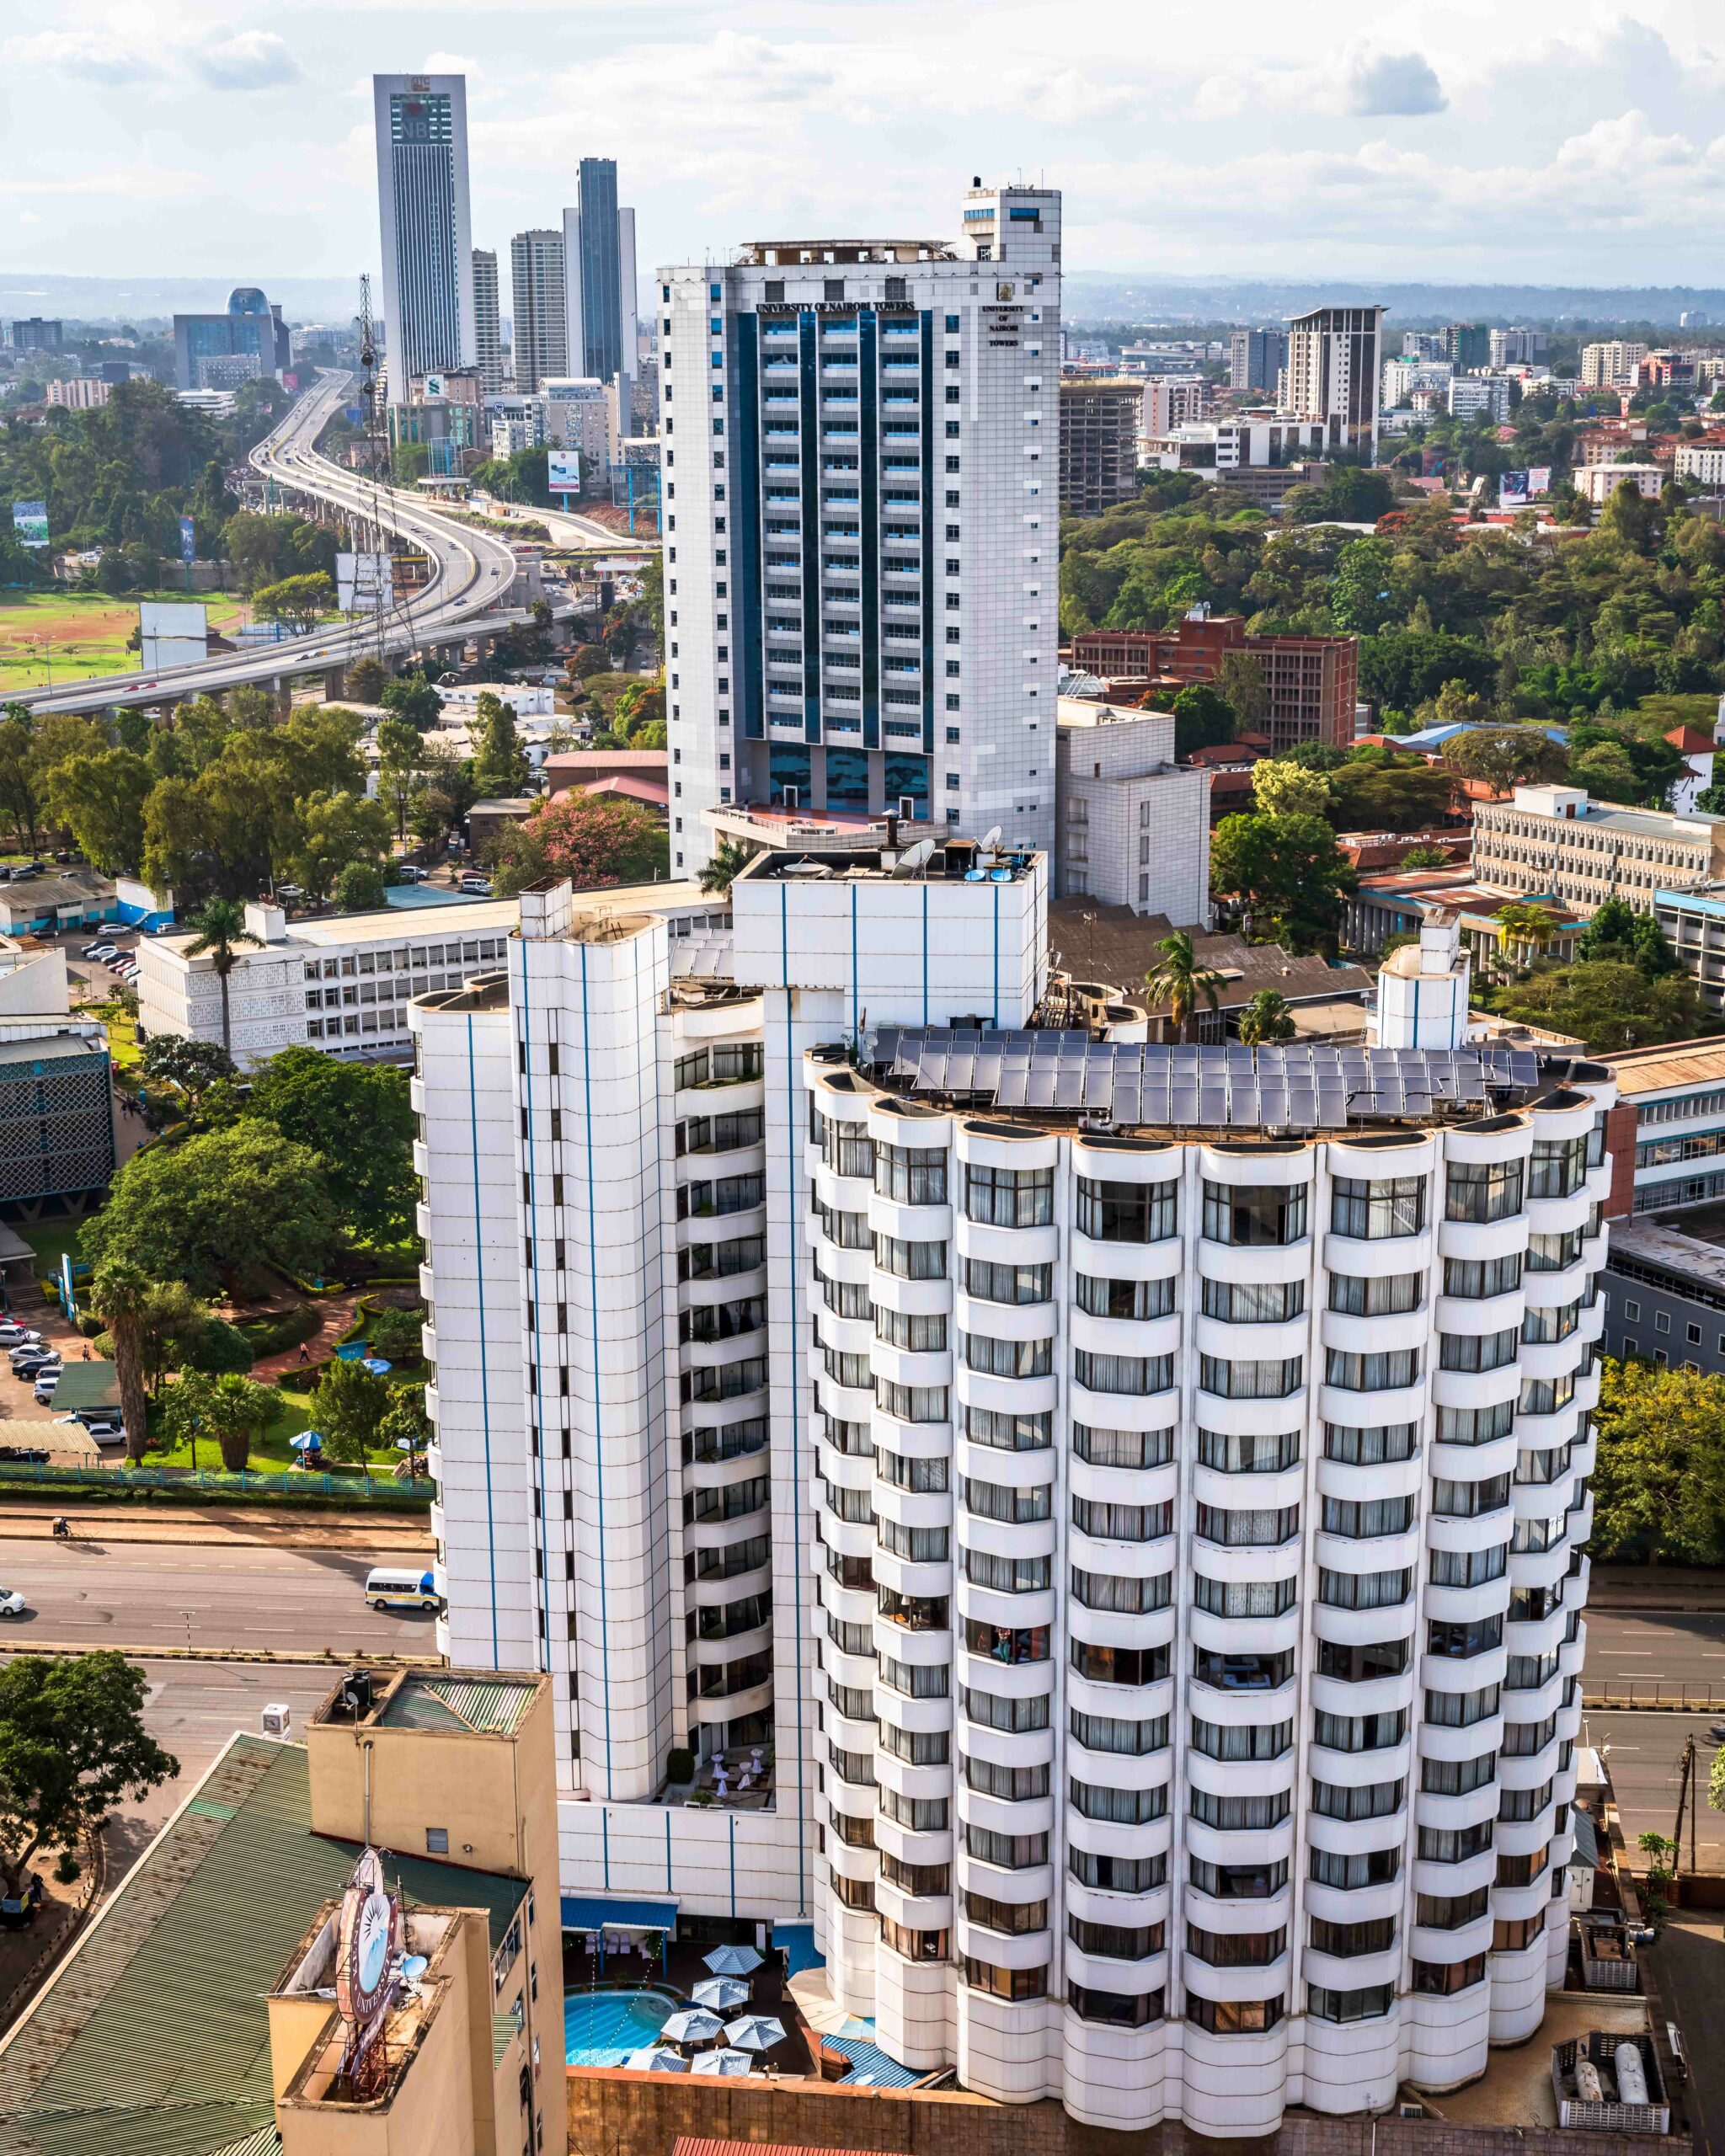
x,y
1615,930
357,1118
1658,1482
215,1210
72,1746
499,761
335,830
1286,876
348,1405
101,799
1607,1005
592,839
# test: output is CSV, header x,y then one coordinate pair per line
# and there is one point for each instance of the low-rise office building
x,y
1311,681
1133,824
1600,481
1554,841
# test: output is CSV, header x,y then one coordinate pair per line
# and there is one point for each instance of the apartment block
x,y
1173,400
541,328
1134,825
1100,423
1554,840
1600,481
1517,347
1334,357
1256,359
1467,396
1313,681
1702,461
1613,365
488,326
860,506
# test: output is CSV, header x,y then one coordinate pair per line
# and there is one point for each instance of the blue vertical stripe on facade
x,y
868,402
927,419
809,384
748,567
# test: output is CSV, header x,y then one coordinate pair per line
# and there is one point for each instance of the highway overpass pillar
x,y
333,682
282,689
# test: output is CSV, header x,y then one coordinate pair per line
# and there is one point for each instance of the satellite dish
x,y
990,843
915,857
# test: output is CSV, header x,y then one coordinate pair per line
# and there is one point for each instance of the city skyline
x,y
1390,152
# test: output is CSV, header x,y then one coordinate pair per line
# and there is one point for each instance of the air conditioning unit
x,y
276,1718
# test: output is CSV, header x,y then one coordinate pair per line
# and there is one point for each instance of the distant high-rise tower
x,y
488,327
628,303
1255,358
593,270
1333,355
540,332
427,228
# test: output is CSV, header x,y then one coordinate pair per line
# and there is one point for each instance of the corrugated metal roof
x,y
458,1703
686,2144
265,2142
83,1385
154,2041
870,2067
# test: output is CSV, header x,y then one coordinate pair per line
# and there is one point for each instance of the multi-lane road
x,y
470,576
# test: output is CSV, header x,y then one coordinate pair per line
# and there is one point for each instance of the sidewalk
x,y
257,1526
1644,1590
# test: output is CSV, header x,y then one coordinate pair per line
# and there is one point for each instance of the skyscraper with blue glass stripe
x,y
860,467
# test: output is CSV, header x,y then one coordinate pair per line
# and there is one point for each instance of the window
x,y
1241,1672
1130,1594
1233,2017
1253,1215
1360,1732
1124,1299
917,1680
1004,1574
1132,1739
1476,1426
1461,1710
1457,1777
1008,1283
1123,1807
988,1425
1010,1852
990,1711
922,1815
1362,1664
1240,1815
1474,1279
1371,1448
1126,1212
1237,1949
1351,1870
1010,1197
910,1261
1347,1941
1007,1500
1374,1210
1135,1375
1248,1527
1364,1519
912,1175
913,1945
1118,1874
1469,1567
1242,1598
1257,1380
911,1403
437,1841
1484,1192
1558,1168
1477,1350
1361,1800
1392,1295
1367,2004
915,1331
1364,1590
1239,1883
1012,1785
1013,1644
918,1748
1231,1740
1459,1642
1387,1371
1556,1253
1111,1523
1543,1326
1009,1358
1013,1919
1446,1978
1118,2010
1005,1983
917,1545
1115,1942
1265,1454
1454,1844
1237,1303
1122,1448
1469,1500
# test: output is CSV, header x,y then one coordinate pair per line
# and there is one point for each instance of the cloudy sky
x,y
174,137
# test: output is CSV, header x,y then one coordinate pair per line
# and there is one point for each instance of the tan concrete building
x,y
1555,841
218,2000
1100,422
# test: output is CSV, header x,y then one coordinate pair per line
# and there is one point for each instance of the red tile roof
x,y
1691,741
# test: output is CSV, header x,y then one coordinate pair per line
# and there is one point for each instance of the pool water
x,y
602,2028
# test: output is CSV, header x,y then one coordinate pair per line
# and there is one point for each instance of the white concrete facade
x,y
1133,826
860,467
426,219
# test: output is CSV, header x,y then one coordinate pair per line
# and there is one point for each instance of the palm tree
x,y
1179,981
1266,1017
1522,924
120,1295
220,926
727,864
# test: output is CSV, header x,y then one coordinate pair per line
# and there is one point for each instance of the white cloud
x,y
1399,83
250,59
83,56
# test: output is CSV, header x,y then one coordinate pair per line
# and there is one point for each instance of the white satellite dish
x,y
913,857
990,843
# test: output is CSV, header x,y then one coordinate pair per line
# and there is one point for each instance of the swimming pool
x,y
602,2028
429,894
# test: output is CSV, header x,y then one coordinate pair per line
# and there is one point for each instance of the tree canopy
x,y
356,1119
592,839
1285,875
73,1745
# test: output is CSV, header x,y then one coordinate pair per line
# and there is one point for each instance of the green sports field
x,y
50,638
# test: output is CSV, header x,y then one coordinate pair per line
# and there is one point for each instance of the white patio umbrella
x,y
725,2062
693,2024
721,1993
656,2061
755,2032
732,1961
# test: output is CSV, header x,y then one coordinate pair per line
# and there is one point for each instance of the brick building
x,y
1313,680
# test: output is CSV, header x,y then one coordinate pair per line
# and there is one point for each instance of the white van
x,y
391,1586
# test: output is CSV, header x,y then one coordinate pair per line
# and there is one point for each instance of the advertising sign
x,y
29,522
172,632
188,540
364,583
563,471
1518,489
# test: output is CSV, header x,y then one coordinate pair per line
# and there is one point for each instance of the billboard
x,y
29,523
563,471
364,583
1518,489
188,540
172,632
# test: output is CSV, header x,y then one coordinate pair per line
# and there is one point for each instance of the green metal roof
x,y
155,2040
483,1703
86,1384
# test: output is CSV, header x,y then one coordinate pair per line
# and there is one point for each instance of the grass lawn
x,y
122,1027
71,636
292,1415
48,1241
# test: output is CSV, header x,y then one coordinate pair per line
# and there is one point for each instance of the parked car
x,y
45,1382
477,887
34,1361
14,1335
103,951
409,873
102,1423
27,1456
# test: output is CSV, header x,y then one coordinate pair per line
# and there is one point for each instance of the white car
x,y
14,1335
45,1384
12,1602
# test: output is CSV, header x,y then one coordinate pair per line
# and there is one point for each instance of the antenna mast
x,y
372,541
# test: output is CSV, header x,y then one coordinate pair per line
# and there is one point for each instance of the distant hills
x,y
141,300
1093,297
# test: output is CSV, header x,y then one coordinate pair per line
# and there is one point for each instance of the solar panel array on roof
x,y
1306,1085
